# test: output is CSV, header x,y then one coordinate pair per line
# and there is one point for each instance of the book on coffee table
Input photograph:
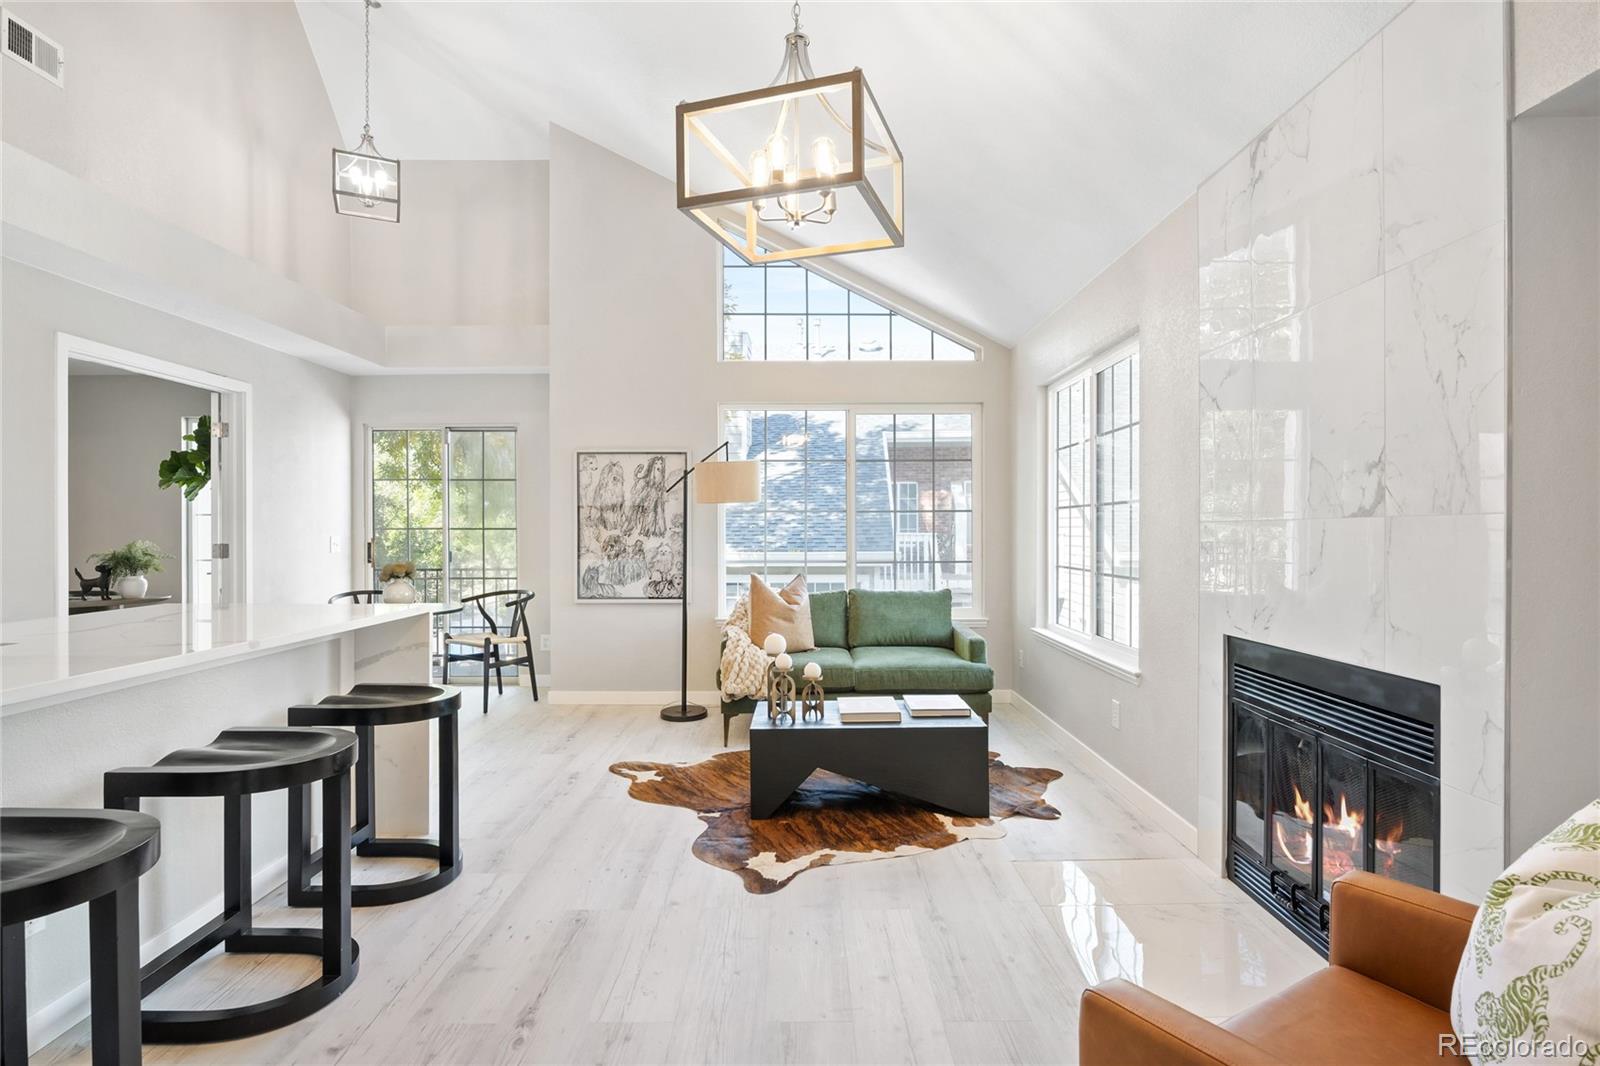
x,y
937,706
868,710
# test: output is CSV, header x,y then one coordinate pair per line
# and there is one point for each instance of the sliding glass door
x,y
445,499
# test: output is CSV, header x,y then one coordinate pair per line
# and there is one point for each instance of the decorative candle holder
x,y
812,699
780,682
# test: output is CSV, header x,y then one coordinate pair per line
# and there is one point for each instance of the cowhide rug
x,y
830,820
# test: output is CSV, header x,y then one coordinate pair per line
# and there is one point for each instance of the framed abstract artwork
x,y
630,527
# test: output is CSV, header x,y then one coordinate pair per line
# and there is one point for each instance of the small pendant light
x,y
365,184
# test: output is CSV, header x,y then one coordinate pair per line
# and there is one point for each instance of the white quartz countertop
x,y
50,659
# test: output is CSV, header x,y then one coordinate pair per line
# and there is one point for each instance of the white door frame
x,y
232,521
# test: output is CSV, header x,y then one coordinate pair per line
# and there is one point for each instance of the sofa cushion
x,y
902,670
900,619
1310,1022
838,668
784,611
828,627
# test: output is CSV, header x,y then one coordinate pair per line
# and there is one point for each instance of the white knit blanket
x,y
744,666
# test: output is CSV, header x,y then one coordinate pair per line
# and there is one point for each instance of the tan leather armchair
x,y
1384,998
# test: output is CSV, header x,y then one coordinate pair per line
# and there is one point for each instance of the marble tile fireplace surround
x,y
1352,403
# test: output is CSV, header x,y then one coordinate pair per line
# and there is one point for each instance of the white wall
x,y
1553,671
472,248
634,338
1149,291
300,443
119,429
211,117
1556,44
426,400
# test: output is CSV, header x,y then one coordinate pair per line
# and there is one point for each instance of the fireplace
x,y
1331,768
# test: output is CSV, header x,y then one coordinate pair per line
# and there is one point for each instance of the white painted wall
x,y
211,117
427,400
300,444
633,363
1151,291
119,428
472,248
1553,673
1556,43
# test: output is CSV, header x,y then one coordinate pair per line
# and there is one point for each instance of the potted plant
x,y
190,468
397,586
129,564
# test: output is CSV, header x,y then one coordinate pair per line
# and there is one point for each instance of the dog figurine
x,y
101,582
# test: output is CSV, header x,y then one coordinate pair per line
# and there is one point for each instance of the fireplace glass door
x,y
1332,768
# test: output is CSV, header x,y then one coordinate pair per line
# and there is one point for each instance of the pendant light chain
x,y
366,106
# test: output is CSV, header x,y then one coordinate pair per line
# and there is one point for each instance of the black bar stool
x,y
363,709
235,766
53,858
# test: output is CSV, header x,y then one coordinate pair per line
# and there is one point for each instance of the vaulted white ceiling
x,y
1041,140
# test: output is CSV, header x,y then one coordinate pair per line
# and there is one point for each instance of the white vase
x,y
400,590
133,587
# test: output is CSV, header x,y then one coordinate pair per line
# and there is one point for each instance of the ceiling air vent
x,y
31,48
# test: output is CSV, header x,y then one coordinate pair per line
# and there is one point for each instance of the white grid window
x,y
1094,512
784,312
867,497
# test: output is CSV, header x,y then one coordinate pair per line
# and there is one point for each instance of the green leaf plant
x,y
190,469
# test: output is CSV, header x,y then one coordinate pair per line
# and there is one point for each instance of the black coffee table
x,y
940,761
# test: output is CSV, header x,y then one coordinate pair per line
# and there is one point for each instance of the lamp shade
x,y
731,482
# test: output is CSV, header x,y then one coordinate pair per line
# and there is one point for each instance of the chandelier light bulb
x,y
824,158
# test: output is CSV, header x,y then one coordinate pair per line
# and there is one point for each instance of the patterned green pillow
x,y
1529,984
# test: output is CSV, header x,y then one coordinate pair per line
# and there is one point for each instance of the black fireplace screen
x,y
1332,768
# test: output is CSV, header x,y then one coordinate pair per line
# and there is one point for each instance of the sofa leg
x,y
725,720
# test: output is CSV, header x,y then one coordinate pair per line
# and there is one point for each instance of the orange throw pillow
x,y
786,611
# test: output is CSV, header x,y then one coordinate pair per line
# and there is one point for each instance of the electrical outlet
x,y
32,928
333,545
544,641
1022,659
1116,714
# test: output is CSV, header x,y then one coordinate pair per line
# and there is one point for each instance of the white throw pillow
x,y
1528,989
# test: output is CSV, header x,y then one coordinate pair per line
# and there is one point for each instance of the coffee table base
x,y
946,768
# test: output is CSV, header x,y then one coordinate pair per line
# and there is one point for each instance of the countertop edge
x,y
49,693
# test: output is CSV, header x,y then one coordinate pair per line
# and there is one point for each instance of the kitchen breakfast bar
x,y
77,699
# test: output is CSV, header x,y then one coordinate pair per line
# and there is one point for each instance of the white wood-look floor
x,y
583,930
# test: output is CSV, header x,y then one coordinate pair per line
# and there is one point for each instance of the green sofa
x,y
889,644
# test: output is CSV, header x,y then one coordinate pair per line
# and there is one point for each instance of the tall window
x,y
783,312
866,497
1094,446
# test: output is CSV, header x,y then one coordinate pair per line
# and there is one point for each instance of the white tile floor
x,y
583,930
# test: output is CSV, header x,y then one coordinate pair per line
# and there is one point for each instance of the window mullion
x,y
849,495
1091,385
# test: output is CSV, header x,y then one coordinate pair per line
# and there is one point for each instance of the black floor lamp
x,y
730,481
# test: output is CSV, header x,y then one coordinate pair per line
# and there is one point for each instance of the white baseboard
x,y
1135,794
54,1018
711,701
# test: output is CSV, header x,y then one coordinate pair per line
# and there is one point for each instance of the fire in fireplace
x,y
1332,768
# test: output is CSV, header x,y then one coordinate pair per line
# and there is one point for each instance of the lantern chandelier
x,y
365,184
804,167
